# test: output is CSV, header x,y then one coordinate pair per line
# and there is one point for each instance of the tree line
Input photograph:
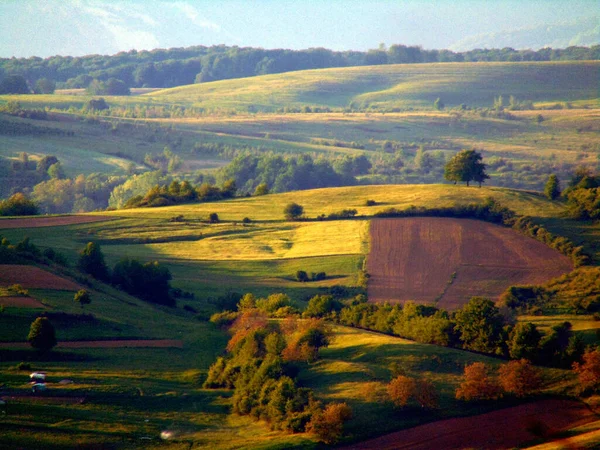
x,y
199,64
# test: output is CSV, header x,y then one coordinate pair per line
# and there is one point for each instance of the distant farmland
x,y
448,261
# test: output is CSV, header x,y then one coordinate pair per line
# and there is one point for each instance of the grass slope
x,y
403,86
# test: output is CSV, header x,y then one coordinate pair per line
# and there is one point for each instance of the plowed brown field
x,y
506,428
21,302
36,222
31,277
452,260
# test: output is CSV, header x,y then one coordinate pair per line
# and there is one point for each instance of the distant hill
x,y
396,86
585,31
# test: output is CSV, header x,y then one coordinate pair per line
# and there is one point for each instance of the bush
x,y
213,218
301,276
41,335
293,211
519,377
328,424
478,384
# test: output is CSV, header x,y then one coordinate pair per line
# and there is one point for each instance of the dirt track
x,y
31,277
21,302
452,260
506,428
37,222
128,343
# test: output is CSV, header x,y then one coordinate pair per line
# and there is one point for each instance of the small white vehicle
x,y
38,376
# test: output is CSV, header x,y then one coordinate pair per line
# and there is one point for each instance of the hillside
x,y
396,86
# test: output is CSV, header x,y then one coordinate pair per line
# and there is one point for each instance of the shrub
x,y
82,297
213,218
519,377
589,371
401,389
293,211
328,424
301,276
477,384
91,261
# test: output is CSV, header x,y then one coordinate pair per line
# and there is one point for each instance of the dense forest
x,y
198,64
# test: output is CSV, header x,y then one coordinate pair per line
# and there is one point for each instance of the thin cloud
x,y
195,17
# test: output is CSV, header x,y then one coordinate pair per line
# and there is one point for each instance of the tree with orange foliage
x,y
589,371
478,384
328,424
520,377
401,389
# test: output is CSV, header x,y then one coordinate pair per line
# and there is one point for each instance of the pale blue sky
x,y
78,27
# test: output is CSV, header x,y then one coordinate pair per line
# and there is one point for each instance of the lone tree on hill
x,y
41,334
552,188
82,297
466,166
293,211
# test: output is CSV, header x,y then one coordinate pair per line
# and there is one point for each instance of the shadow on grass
x,y
7,355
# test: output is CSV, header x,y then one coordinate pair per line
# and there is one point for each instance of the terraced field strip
x,y
36,222
129,343
21,302
506,428
448,261
31,277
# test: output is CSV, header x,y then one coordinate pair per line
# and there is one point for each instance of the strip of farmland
x,y
448,261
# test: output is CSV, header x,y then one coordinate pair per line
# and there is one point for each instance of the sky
x,y
79,27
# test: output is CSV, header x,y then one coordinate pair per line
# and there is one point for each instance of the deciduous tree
x,y
466,166
41,335
478,384
519,377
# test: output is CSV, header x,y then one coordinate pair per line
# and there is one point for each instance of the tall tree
x,y
41,334
91,261
466,166
552,188
480,325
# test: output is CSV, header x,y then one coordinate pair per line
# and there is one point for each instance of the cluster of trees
x,y
182,192
179,66
290,173
479,326
149,281
261,365
577,292
18,205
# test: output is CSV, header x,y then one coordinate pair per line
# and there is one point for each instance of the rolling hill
x,y
396,86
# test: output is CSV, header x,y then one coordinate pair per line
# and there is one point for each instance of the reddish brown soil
x,y
506,428
129,343
37,222
21,302
414,259
31,277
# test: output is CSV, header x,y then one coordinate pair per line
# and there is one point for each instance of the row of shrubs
x,y
494,212
177,193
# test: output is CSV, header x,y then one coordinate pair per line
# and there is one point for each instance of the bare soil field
x,y
129,343
37,222
21,302
448,261
31,277
506,428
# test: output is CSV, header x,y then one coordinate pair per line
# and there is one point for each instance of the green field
x,y
401,86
